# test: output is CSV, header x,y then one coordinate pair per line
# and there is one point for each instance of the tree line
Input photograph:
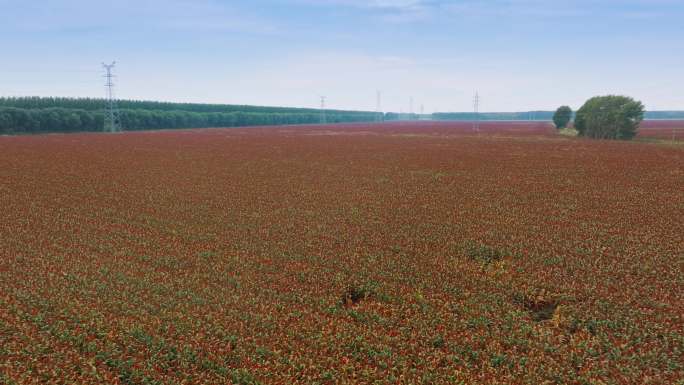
x,y
19,120
467,116
42,115
96,104
538,115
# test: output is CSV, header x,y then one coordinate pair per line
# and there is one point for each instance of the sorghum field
x,y
662,129
417,253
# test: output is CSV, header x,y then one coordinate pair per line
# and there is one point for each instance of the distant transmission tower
x,y
411,108
111,117
323,120
476,109
378,107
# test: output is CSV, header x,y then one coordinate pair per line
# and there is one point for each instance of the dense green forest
x,y
94,104
39,115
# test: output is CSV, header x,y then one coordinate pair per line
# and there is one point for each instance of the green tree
x,y
562,117
87,120
6,124
609,117
71,121
52,120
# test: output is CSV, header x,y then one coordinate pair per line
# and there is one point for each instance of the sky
x,y
519,55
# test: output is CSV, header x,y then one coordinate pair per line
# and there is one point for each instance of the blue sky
x,y
519,54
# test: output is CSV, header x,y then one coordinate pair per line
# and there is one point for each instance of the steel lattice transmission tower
x,y
476,109
111,117
322,113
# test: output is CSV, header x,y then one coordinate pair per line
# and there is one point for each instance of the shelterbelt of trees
x,y
43,115
539,115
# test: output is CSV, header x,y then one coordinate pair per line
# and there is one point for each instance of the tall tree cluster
x,y
609,117
562,117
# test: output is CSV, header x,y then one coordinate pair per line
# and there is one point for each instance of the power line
x,y
111,122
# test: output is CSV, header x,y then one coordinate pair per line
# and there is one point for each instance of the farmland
x,y
403,253
662,129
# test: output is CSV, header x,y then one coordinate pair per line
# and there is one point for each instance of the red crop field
x,y
417,253
662,129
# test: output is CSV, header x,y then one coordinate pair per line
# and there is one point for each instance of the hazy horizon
x,y
520,55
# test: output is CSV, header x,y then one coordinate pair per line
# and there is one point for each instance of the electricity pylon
x,y
111,117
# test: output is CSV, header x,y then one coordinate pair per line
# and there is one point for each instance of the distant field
x,y
405,253
432,128
662,129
